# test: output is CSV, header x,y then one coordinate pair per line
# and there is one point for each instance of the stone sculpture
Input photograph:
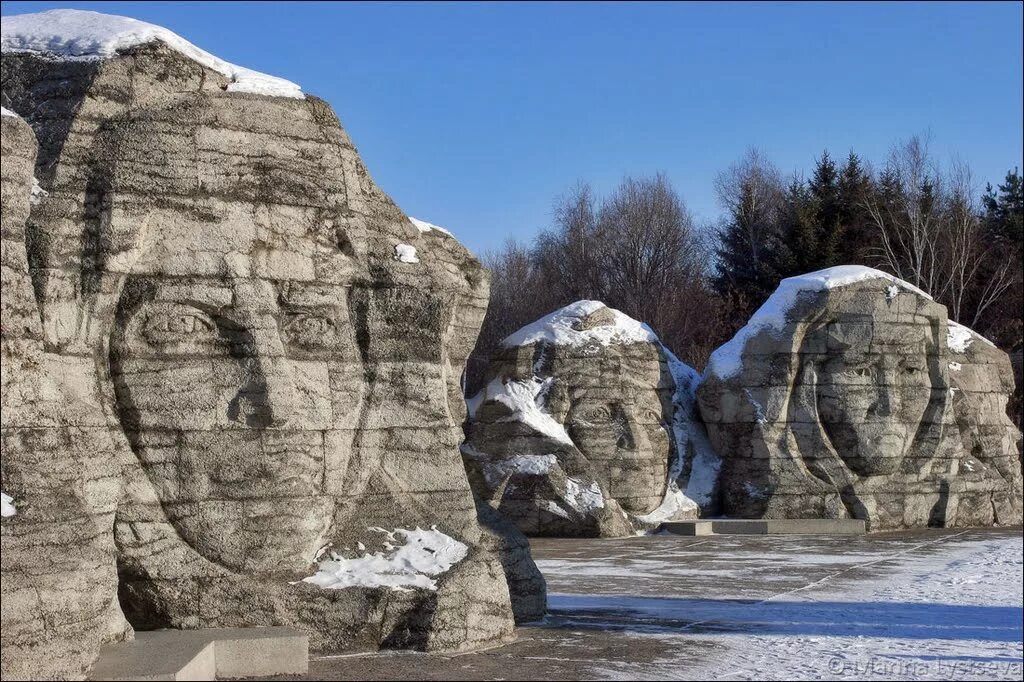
x,y
842,397
585,428
60,474
263,353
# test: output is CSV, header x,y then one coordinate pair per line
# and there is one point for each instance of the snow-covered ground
x,y
945,607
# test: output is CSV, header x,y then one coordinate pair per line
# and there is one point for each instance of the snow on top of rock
x,y
727,358
959,337
405,253
691,439
423,226
525,400
567,327
421,556
497,469
4,111
7,507
81,35
583,497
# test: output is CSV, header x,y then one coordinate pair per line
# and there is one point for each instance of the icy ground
x,y
937,604
938,608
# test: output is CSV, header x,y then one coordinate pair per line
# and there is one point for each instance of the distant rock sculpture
x,y
261,356
586,428
847,395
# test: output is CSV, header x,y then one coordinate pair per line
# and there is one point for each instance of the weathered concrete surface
x,y
247,370
221,653
58,583
586,428
856,406
602,624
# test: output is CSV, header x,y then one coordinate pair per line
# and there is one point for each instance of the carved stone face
x,y
874,385
239,393
623,429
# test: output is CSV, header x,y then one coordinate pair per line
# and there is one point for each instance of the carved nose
x,y
882,407
271,388
628,431
278,390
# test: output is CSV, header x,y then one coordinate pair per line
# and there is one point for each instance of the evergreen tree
x,y
798,252
826,212
854,190
1004,211
749,251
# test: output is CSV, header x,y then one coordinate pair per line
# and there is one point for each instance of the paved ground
x,y
915,605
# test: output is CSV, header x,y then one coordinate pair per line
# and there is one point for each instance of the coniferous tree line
x,y
639,250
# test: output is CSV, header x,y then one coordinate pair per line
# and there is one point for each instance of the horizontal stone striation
x,y
59,462
613,401
850,411
217,271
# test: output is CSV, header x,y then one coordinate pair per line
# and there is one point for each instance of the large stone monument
x,y
59,468
249,358
847,395
586,428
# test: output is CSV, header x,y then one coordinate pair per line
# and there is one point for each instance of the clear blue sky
x,y
475,116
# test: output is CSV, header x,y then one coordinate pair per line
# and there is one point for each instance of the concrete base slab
x,y
205,654
766,527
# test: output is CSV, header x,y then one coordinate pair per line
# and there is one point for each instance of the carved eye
x,y
310,330
863,372
653,416
178,324
912,369
597,413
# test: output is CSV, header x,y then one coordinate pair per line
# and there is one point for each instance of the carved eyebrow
x,y
311,296
211,295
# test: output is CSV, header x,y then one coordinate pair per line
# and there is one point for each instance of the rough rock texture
x,y
58,583
982,382
572,436
219,280
526,585
853,405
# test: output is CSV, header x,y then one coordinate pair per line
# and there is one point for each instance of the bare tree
x,y
752,192
636,250
930,232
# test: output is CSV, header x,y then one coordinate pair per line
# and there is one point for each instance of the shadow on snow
x,y
905,620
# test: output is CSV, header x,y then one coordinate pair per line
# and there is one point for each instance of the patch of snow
x,y
942,608
80,35
583,498
691,443
726,361
38,193
562,328
497,469
758,409
673,503
7,507
955,366
526,401
892,292
413,558
406,254
959,337
423,226
4,111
